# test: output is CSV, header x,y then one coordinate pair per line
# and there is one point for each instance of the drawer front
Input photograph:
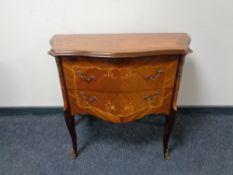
x,y
120,107
136,74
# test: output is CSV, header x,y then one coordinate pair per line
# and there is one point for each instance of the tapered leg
x,y
70,123
168,126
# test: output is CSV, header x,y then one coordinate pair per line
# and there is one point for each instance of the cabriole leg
x,y
168,126
70,123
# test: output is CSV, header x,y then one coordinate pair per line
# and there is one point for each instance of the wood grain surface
x,y
120,75
120,107
120,45
119,90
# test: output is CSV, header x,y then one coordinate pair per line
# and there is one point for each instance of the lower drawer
x,y
120,106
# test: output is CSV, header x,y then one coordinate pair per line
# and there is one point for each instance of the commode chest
x,y
120,77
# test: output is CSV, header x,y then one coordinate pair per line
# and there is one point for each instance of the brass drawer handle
x,y
154,76
87,97
152,97
82,75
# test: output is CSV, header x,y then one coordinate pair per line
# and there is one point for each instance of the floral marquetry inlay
x,y
132,75
119,74
119,110
120,105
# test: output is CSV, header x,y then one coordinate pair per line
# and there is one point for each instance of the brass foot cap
x,y
167,156
74,155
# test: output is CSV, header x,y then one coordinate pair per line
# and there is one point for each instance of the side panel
x,y
177,84
62,82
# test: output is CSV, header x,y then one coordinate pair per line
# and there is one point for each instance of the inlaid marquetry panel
x,y
120,107
134,74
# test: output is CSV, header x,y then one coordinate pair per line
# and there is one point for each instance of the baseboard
x,y
31,110
206,109
45,110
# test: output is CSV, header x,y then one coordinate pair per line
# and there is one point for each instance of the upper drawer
x,y
114,75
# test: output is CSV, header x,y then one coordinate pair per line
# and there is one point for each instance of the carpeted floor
x,y
201,144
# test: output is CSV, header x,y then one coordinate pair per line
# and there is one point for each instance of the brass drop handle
x,y
154,76
82,75
152,97
87,97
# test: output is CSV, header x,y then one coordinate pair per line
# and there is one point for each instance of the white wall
x,y
28,75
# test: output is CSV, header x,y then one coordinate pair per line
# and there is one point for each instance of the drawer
x,y
136,74
120,106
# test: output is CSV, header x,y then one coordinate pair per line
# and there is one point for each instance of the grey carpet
x,y
201,144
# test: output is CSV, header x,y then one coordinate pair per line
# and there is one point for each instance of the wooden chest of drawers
x,y
120,77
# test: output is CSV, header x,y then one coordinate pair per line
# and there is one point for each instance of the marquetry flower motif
x,y
119,74
126,108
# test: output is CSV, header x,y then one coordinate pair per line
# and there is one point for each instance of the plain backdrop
x,y
28,75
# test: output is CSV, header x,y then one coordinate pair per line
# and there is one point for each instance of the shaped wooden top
x,y
120,45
